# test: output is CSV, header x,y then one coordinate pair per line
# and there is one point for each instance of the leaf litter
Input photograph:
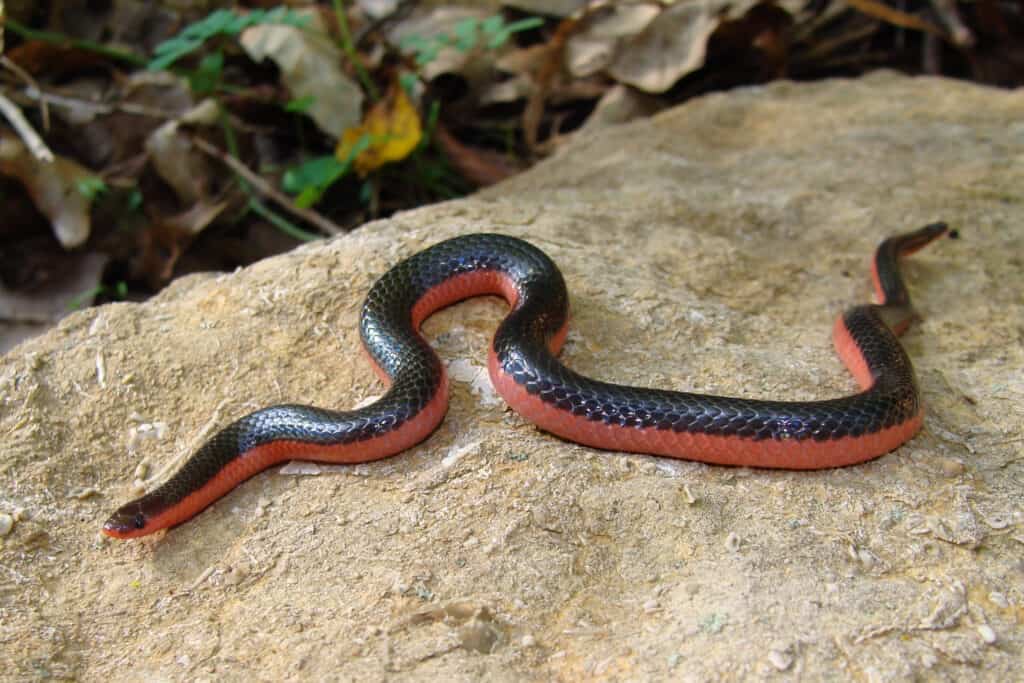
x,y
147,142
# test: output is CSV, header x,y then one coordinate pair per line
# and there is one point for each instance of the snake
x,y
525,370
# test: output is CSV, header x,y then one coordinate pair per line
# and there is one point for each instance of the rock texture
x,y
708,248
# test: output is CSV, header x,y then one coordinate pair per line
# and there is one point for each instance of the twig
x,y
278,221
25,130
266,189
35,94
890,15
825,47
60,39
15,68
960,34
401,9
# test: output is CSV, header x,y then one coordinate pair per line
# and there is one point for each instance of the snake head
x,y
129,521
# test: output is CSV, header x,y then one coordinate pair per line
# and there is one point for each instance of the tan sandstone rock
x,y
706,249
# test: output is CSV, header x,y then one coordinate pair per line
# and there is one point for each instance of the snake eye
x,y
140,520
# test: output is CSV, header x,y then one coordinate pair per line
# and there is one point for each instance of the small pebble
x,y
20,514
6,524
780,659
528,640
952,467
235,575
101,370
998,599
732,542
651,606
82,494
141,470
690,498
987,634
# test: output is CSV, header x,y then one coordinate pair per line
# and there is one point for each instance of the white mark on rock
x,y
367,401
780,659
457,453
301,467
476,376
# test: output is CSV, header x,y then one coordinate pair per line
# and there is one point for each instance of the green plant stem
x,y
350,50
281,223
231,142
255,205
60,39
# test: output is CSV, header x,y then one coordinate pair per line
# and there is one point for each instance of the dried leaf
x,y
56,61
427,24
59,189
595,42
73,275
389,133
671,46
166,239
619,105
73,281
192,221
176,160
555,8
378,9
482,167
310,65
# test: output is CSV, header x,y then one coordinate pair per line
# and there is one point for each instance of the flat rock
x,y
707,249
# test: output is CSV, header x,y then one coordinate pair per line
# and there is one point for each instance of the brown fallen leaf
x,y
481,167
165,240
58,188
62,281
55,61
596,39
670,46
310,64
176,160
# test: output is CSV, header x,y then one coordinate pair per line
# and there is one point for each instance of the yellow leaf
x,y
393,129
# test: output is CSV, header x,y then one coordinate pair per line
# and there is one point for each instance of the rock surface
x,y
708,249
